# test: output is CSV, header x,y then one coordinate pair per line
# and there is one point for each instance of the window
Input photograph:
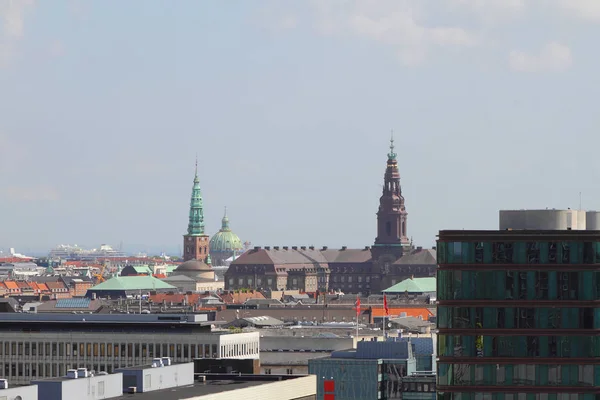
x,y
100,388
289,371
388,228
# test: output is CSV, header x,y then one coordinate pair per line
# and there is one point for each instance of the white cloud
x,y
12,16
585,9
506,6
56,48
553,56
397,23
32,193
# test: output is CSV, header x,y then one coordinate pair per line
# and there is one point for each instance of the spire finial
x,y
392,154
225,222
196,169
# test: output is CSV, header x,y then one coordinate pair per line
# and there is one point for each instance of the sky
x,y
288,105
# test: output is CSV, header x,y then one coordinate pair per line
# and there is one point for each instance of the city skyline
x,y
289,108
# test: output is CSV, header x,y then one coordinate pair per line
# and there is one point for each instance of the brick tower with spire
x,y
392,238
196,242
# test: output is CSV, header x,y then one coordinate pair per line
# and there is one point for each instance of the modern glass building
x,y
519,315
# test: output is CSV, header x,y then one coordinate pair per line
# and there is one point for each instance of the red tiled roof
x,y
43,287
239,298
2,285
159,276
23,285
11,285
55,285
410,312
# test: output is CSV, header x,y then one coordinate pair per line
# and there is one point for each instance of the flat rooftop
x,y
195,390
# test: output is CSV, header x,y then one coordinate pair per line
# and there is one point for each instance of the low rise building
x,y
7,392
159,375
81,385
374,370
35,346
122,286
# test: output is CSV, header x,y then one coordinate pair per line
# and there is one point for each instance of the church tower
x,y
195,242
392,235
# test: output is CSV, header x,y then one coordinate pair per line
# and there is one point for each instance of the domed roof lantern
x,y
225,222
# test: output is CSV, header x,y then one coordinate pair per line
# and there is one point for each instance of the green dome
x,y
225,242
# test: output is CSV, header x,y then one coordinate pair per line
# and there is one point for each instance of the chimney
x,y
256,247
303,247
285,247
324,248
366,247
275,247
344,247
294,247
311,247
419,248
412,277
267,248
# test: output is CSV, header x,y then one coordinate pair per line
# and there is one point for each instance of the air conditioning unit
x,y
132,389
3,383
72,373
82,373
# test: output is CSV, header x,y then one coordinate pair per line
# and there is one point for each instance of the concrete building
x,y
235,387
81,385
159,375
34,346
289,351
8,392
374,370
548,219
518,311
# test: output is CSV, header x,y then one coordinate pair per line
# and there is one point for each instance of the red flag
x,y
385,306
357,306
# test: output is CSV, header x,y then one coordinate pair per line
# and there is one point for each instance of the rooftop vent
x,y
267,247
311,247
157,362
132,389
324,248
256,247
82,373
419,248
276,247
72,373
303,247
366,247
344,247
294,247
166,361
3,383
285,247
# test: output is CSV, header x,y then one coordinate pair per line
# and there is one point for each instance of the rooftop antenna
x,y
580,201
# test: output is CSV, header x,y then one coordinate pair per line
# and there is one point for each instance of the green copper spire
x,y
225,222
196,224
391,154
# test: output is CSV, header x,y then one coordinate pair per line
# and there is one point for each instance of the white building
x,y
36,346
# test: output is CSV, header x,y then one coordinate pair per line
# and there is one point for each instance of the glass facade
x,y
518,315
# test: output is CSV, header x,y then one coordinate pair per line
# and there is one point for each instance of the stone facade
x,y
390,260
